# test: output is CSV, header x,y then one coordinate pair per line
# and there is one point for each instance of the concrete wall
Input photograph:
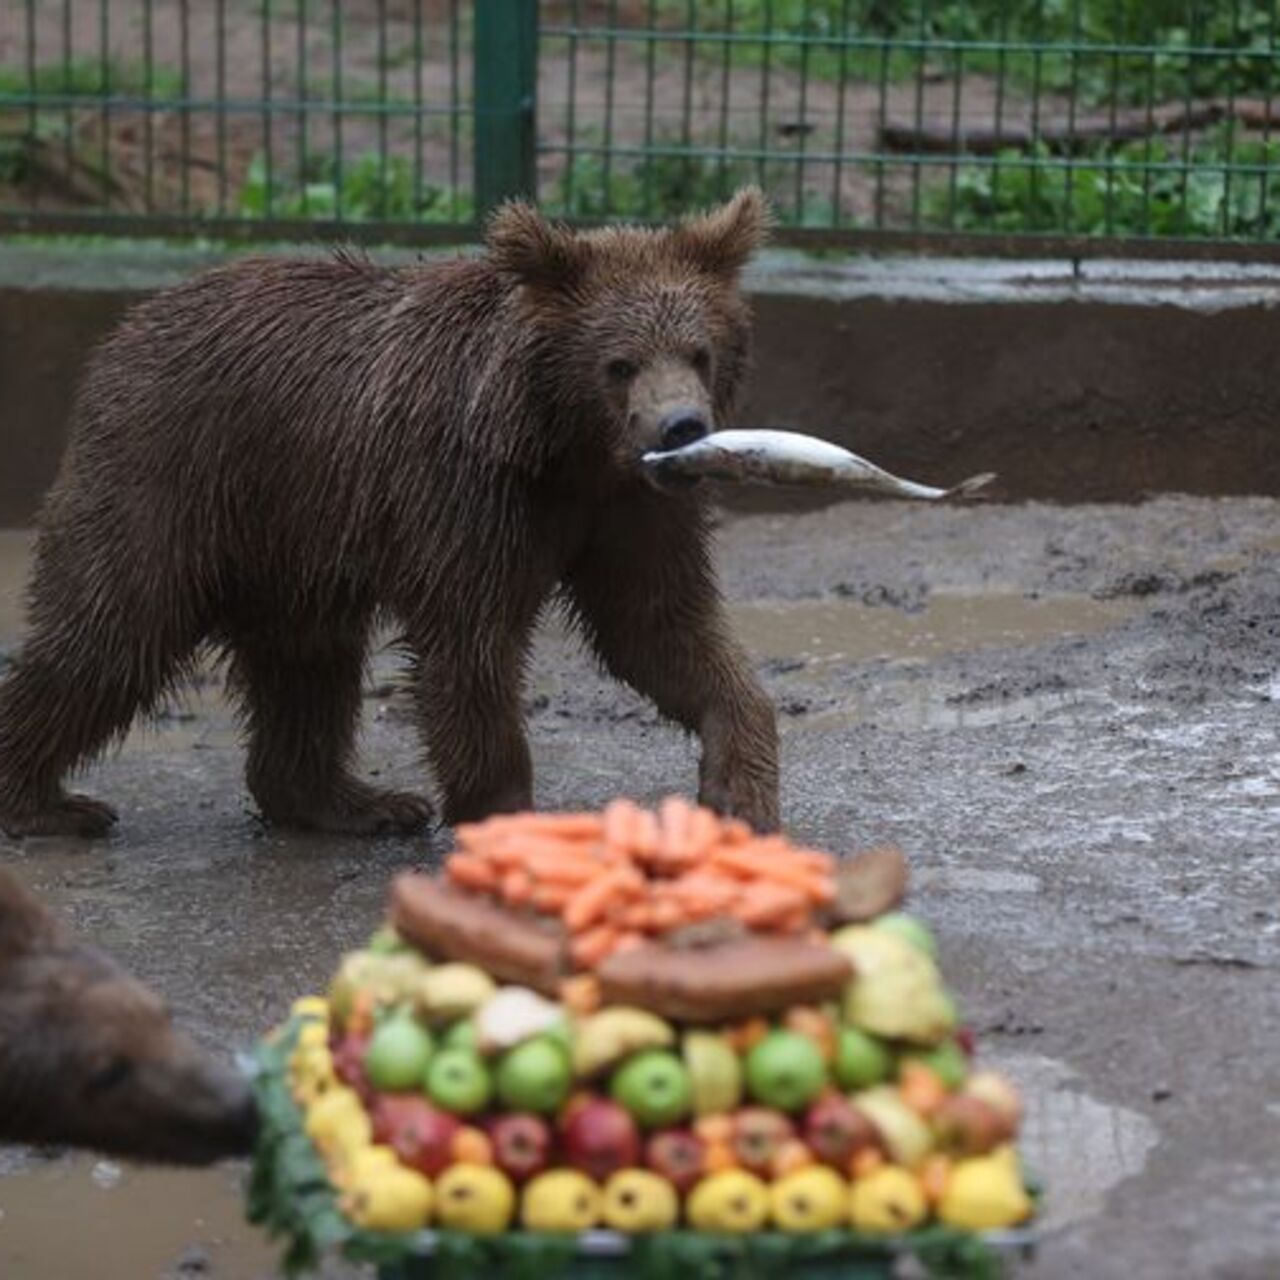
x,y
1106,383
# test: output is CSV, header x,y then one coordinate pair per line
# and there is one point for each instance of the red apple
x,y
348,1066
969,1126
676,1155
420,1134
521,1144
835,1131
600,1138
758,1132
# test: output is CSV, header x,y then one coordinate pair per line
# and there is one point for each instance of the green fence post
x,y
505,92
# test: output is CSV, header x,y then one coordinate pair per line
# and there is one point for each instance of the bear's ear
x,y
723,240
538,253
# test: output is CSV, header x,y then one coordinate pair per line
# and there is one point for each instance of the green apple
x,y
861,1059
385,941
946,1060
653,1087
785,1070
534,1076
461,1035
909,929
398,1055
458,1082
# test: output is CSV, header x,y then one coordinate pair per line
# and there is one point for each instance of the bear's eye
x,y
621,370
701,359
111,1074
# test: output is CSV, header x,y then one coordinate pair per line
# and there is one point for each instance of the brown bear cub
x,y
89,1057
276,456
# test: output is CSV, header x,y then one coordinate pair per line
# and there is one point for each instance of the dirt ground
x,y
1066,715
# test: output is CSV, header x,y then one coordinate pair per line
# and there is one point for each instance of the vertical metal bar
x,y
650,70
1265,175
184,120
1193,41
726,89
69,116
104,87
1228,160
801,141
505,86
1118,36
1073,100
953,169
304,91
1037,78
455,107
33,189
383,162
336,92
882,94
1150,95
148,110
686,106
571,111
265,93
766,59
610,71
220,102
1002,73
418,106
921,52
837,186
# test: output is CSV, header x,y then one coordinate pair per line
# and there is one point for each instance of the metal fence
x,y
951,122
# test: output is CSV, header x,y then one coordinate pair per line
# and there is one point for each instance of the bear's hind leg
x,y
81,678
300,691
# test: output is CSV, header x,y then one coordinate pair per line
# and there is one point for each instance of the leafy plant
x,y
1146,189
372,186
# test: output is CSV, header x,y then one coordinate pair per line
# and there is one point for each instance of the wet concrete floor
x,y
1066,716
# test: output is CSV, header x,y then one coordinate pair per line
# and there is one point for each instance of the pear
x,y
896,990
986,1193
605,1038
452,991
715,1072
905,1135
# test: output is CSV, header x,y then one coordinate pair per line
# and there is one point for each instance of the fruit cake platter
x,y
639,1041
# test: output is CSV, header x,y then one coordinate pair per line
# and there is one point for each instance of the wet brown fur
x,y
89,1056
278,455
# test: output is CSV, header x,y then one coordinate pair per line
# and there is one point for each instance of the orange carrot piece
x,y
744,862
761,904
734,831
589,948
703,832
581,994
592,901
621,822
628,940
517,886
665,915
549,868
676,817
571,826
551,897
471,872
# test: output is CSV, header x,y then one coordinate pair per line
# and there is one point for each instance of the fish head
x,y
647,334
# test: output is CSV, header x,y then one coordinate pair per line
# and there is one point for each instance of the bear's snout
x,y
682,427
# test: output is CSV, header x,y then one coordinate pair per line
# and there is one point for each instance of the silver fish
x,y
787,457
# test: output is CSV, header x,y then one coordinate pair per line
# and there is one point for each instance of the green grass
x,y
91,78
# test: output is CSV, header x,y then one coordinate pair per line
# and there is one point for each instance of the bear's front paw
x,y
69,815
755,802
351,808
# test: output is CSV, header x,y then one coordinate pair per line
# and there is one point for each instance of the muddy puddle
x,y
849,631
87,1219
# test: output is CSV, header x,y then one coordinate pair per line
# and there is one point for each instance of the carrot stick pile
x,y
620,878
